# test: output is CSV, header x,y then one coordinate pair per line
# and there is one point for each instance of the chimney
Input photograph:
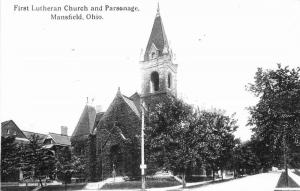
x,y
64,130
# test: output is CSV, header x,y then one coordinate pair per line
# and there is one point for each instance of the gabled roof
x,y
129,101
136,98
132,102
158,38
86,122
98,118
28,134
5,123
59,139
13,128
132,105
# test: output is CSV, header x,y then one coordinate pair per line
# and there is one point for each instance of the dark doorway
x,y
116,158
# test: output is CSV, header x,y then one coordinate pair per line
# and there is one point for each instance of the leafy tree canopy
x,y
10,158
276,116
180,138
37,162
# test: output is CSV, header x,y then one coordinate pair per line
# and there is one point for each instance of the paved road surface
x,y
259,182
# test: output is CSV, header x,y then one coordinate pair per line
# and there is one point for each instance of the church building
x,y
110,141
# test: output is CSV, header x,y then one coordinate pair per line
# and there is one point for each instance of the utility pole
x,y
284,156
143,166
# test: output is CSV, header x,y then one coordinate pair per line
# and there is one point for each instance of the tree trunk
x,y
222,174
213,172
183,180
41,182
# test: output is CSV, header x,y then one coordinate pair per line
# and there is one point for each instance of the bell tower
x,y
159,73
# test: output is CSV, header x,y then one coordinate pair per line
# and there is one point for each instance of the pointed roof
x,y
13,129
60,139
86,122
158,38
28,134
136,98
129,101
132,105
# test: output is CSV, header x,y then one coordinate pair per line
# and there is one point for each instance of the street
x,y
259,182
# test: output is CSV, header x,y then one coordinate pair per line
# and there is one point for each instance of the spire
x,y
119,91
157,13
158,39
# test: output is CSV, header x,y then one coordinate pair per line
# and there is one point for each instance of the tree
x,y
10,159
219,139
181,138
64,165
79,164
38,162
245,160
169,135
261,151
80,146
67,164
276,116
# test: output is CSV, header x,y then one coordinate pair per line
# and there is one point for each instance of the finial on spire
x,y
119,90
158,13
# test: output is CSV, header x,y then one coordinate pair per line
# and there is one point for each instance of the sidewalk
x,y
295,177
37,183
99,185
257,182
173,188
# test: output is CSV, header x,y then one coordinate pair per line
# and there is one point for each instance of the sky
x,y
49,67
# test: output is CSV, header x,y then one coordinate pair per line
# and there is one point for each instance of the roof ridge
x,y
127,97
32,132
5,122
88,117
131,106
78,123
52,137
59,134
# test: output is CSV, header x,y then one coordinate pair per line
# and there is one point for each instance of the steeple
x,y
157,44
157,13
159,73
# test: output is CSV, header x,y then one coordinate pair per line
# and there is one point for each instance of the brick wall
x,y
163,66
119,118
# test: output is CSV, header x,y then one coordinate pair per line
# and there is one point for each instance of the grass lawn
x,y
151,183
297,172
198,178
62,187
291,183
17,188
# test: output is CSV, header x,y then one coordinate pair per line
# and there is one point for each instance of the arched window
x,y
154,81
169,80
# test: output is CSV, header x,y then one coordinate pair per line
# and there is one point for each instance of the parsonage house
x,y
51,141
